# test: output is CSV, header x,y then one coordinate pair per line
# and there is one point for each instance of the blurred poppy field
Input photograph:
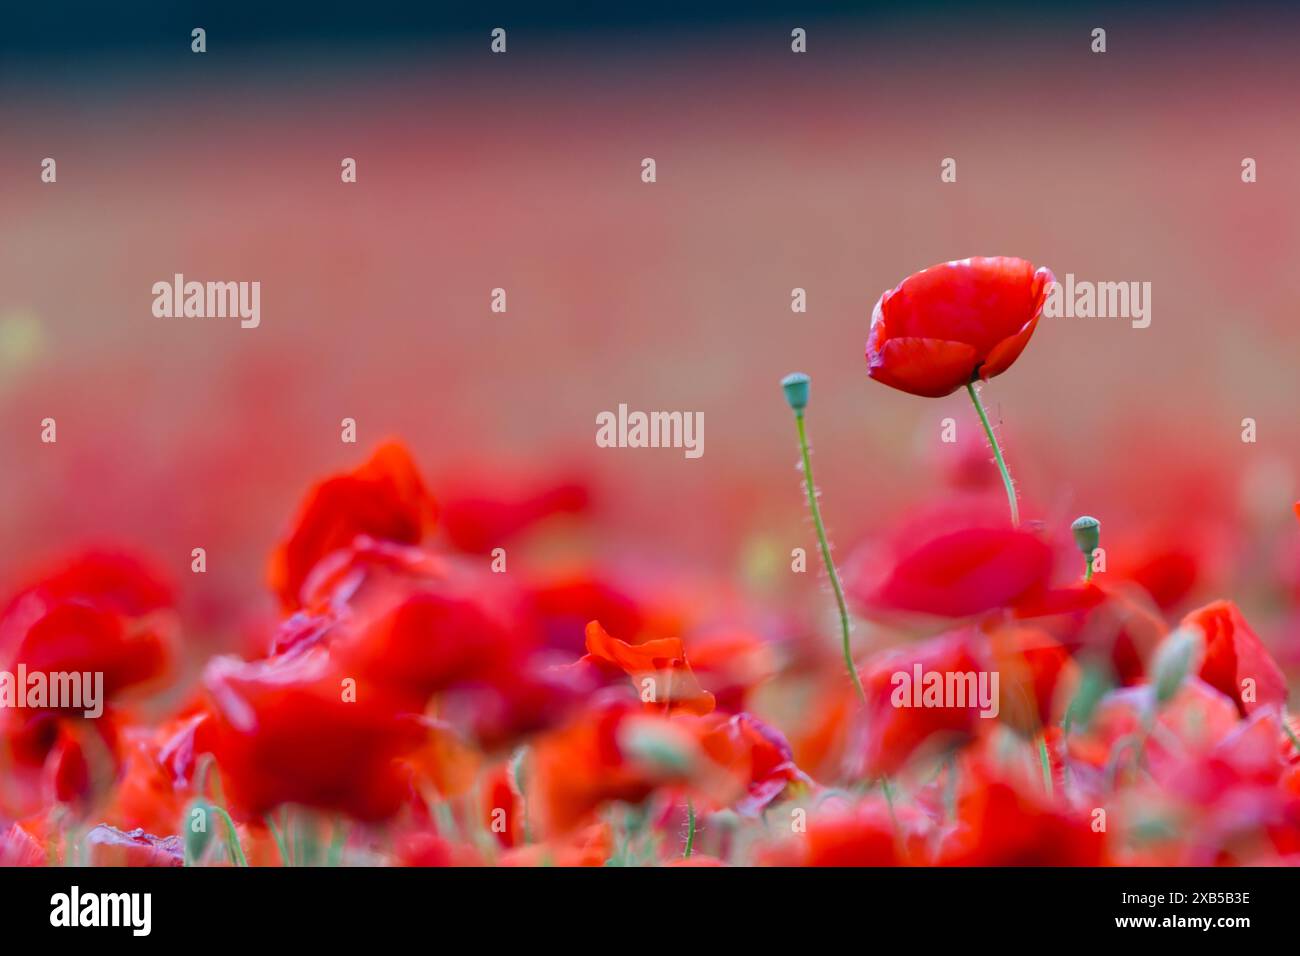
x,y
474,637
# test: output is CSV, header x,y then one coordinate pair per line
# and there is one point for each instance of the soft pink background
x,y
775,171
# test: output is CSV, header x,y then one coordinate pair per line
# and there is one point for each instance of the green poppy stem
x,y
816,510
279,839
997,454
690,829
232,838
1046,761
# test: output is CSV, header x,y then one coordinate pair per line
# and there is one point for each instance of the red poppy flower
x,y
758,755
433,641
283,732
895,725
83,638
590,846
861,837
369,577
837,832
1034,671
432,850
502,810
155,781
96,613
998,825
562,608
950,573
1113,624
730,663
953,323
1236,661
109,579
384,499
613,752
661,662
64,758
1169,574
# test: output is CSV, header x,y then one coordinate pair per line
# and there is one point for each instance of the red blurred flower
x,y
835,832
1234,654
951,573
284,731
1033,670
432,850
100,613
1109,623
383,498
661,662
417,625
433,641
562,608
589,846
96,613
156,777
502,809
999,825
730,663
862,837
1168,573
758,755
893,733
613,752
370,577
955,322
112,580
83,638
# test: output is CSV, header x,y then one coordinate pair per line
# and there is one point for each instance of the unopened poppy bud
x,y
1087,534
1092,687
796,390
1177,656
198,823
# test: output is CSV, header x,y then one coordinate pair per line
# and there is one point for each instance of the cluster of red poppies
x,y
420,704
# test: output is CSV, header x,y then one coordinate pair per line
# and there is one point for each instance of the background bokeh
x,y
521,171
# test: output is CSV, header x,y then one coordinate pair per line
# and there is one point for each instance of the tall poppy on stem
x,y
956,324
796,386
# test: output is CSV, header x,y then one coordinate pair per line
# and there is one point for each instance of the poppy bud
x,y
1087,534
198,822
796,390
1177,656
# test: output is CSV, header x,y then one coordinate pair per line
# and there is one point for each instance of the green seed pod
x,y
796,390
1087,534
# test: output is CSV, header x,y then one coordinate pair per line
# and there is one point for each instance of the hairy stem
x,y
816,510
997,454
